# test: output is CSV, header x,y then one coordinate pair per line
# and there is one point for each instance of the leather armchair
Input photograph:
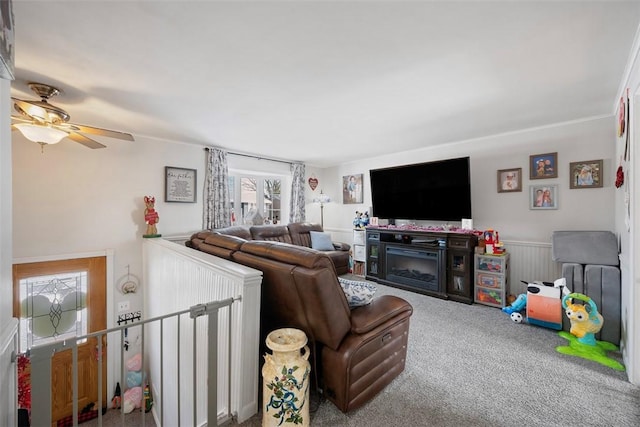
x,y
355,352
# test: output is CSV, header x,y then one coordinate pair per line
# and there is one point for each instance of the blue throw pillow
x,y
321,241
358,293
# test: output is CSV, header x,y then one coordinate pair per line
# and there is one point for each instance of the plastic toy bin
x,y
489,280
490,264
489,296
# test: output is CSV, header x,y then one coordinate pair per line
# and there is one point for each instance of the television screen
x,y
439,190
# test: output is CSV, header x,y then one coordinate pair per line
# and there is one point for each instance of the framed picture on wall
x,y
509,180
543,166
585,174
7,54
543,197
179,185
352,189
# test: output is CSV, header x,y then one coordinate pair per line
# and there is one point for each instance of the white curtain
x,y
217,205
297,203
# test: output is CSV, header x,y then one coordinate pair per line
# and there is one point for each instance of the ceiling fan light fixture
x,y
46,124
41,134
34,111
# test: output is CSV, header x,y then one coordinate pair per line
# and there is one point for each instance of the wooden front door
x,y
57,300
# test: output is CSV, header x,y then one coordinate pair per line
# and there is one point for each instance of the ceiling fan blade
x,y
102,132
44,114
87,142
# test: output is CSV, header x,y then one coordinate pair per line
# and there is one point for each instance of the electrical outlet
x,y
123,306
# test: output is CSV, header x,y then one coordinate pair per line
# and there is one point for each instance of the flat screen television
x,y
439,191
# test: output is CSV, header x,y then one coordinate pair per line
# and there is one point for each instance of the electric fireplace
x,y
417,268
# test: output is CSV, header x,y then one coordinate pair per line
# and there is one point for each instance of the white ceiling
x,y
324,81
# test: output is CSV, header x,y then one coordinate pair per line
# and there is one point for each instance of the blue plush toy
x,y
517,306
356,220
361,220
364,220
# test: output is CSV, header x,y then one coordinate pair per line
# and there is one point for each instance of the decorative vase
x,y
285,379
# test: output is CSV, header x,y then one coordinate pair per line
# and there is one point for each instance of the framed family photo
x,y
352,189
585,174
509,180
543,166
543,197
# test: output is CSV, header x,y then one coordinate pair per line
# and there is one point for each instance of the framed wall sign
x,y
543,166
180,184
585,174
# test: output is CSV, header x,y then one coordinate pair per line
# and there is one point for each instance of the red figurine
x,y
151,217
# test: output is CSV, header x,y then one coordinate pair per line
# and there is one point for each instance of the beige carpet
x,y
470,365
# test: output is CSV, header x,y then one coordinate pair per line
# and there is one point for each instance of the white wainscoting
x,y
8,348
176,278
530,261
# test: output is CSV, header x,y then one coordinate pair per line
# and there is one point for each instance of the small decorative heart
x,y
619,177
313,183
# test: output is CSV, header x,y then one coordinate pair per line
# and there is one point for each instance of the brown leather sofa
x,y
355,352
294,233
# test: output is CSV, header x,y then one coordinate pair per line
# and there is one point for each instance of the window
x,y
53,308
257,195
272,200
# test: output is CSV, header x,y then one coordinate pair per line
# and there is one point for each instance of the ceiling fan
x,y
45,123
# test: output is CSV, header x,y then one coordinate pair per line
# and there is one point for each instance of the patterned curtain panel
x,y
297,205
217,205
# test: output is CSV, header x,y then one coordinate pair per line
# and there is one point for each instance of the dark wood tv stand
x,y
435,263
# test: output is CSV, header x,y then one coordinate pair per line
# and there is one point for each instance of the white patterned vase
x,y
285,379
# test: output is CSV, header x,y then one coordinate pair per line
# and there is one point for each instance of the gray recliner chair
x,y
590,266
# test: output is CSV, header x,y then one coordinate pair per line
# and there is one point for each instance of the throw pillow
x,y
358,293
321,241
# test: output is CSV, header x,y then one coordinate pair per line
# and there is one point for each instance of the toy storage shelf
x,y
491,279
358,253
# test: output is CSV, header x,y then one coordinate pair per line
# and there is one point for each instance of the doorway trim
x,y
112,344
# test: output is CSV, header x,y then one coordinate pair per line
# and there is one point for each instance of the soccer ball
x,y
516,317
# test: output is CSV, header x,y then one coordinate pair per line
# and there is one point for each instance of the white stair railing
x,y
41,357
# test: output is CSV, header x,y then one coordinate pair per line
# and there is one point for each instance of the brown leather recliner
x,y
356,352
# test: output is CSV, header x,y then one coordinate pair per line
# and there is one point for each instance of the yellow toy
x,y
585,319
585,323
